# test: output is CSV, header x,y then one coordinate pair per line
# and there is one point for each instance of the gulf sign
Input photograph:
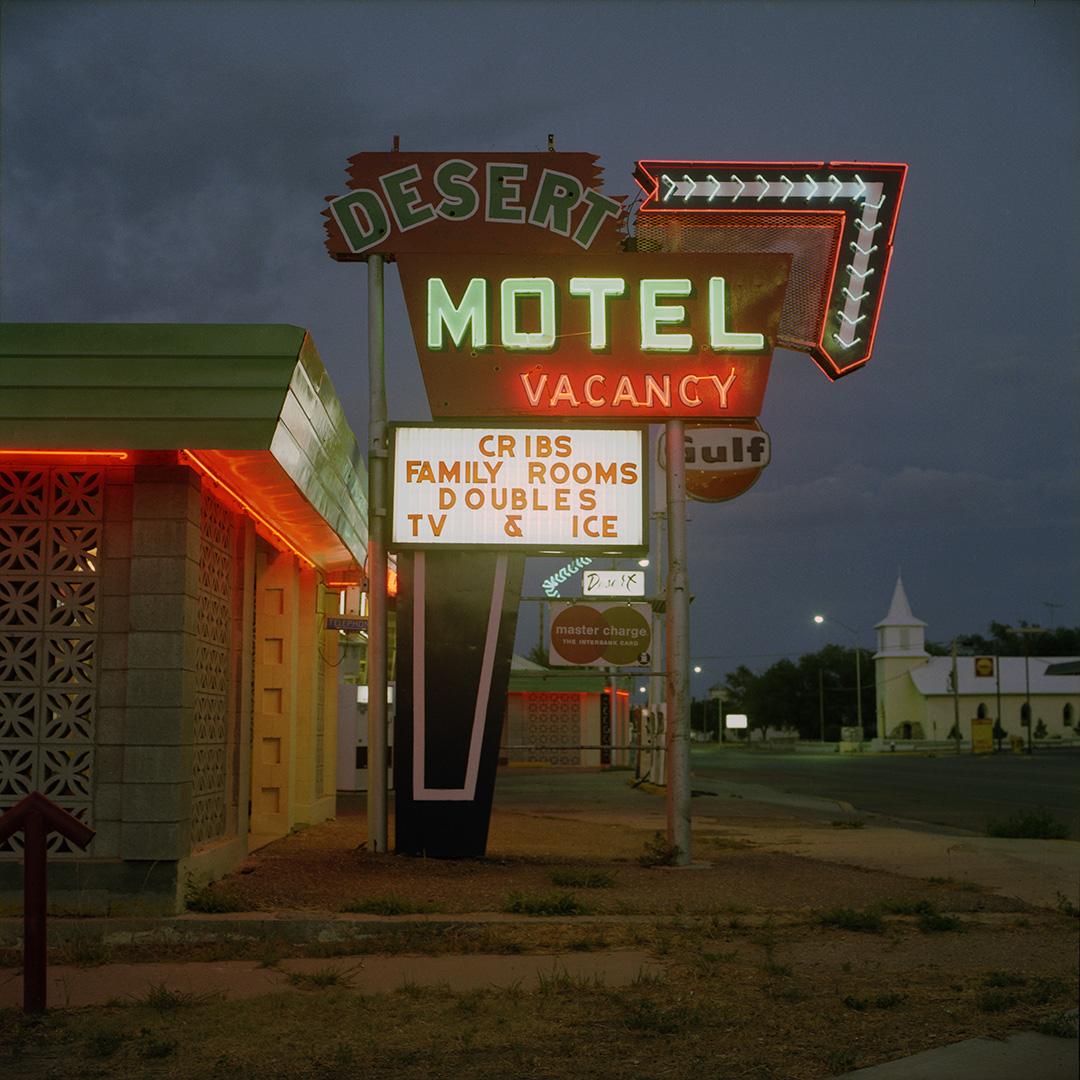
x,y
594,336
539,490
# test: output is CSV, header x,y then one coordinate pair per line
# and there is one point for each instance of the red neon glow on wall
x,y
120,455
283,542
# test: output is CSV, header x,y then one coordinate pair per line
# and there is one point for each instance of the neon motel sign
x,y
637,336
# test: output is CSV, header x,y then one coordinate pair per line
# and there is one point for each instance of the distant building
x,y
564,716
915,691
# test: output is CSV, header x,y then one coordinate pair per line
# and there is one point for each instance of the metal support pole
x,y
377,600
821,701
956,698
858,690
678,648
997,723
656,682
1027,692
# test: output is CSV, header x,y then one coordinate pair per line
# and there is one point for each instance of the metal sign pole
x,y
678,648
377,637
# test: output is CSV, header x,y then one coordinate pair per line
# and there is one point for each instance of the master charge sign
x,y
545,489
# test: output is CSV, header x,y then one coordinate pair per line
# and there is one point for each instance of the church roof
x,y
933,677
900,610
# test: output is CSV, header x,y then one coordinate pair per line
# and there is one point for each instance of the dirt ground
x,y
756,962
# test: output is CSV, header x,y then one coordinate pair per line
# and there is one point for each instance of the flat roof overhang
x,y
252,405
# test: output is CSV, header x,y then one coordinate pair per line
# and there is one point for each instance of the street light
x,y
1023,631
819,619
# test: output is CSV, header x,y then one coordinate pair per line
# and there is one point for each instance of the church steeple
x,y
900,634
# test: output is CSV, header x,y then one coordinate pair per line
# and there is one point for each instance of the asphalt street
x,y
959,791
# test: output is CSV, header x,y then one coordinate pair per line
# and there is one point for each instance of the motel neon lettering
x,y
466,322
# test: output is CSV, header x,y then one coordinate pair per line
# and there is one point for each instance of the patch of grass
x,y
1066,906
1044,989
933,922
1003,978
645,977
519,903
387,905
906,907
575,878
658,852
321,978
559,980
160,997
1061,1025
996,1001
103,1044
787,993
853,823
209,899
84,951
840,1061
1038,824
150,1046
643,1014
866,922
887,1001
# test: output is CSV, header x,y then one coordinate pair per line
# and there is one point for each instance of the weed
x,y
574,878
996,1001
589,943
855,1003
160,997
645,977
1066,906
151,1047
1061,1025
645,1015
773,968
1044,989
906,907
103,1044
320,979
933,922
840,1061
387,905
1003,978
787,993
659,852
518,903
343,1055
84,951
867,922
560,980
1038,824
940,880
887,1001
854,823
208,900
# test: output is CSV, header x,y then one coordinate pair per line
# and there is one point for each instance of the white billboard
x,y
612,582
547,490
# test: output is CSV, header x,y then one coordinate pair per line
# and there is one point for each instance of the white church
x,y
915,698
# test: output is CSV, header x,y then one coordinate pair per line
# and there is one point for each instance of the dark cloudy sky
x,y
168,162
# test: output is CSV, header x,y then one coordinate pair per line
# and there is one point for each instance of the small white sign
x,y
722,448
519,487
735,720
613,583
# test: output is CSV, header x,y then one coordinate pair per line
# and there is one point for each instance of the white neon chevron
x,y
783,188
872,198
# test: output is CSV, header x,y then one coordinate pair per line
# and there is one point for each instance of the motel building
x,y
179,507
915,698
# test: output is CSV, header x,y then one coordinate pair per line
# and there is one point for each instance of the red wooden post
x,y
36,816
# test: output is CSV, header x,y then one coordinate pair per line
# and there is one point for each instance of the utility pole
x,y
821,701
1023,631
377,599
678,647
956,697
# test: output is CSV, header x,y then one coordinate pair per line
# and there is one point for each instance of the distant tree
x,y
538,654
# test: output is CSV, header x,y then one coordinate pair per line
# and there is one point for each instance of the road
x,y
960,791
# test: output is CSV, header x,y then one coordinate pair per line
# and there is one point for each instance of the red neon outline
x,y
289,546
820,350
121,454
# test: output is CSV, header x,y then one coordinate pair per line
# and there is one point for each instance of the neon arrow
x,y
742,187
35,817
